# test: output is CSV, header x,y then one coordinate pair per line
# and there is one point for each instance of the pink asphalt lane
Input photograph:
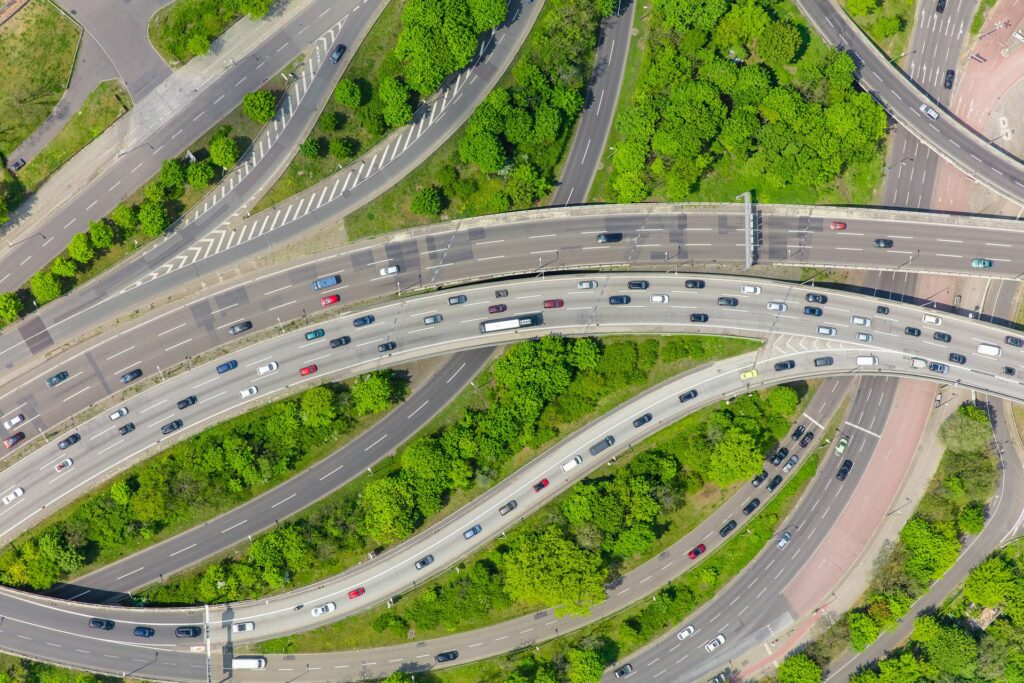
x,y
863,514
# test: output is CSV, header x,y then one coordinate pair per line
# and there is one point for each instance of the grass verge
x,y
890,24
185,28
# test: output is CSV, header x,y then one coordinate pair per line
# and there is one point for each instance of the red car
x,y
554,303
497,308
352,594
540,485
308,370
13,440
328,300
699,550
837,226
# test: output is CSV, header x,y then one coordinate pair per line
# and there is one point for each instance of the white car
x,y
586,284
14,495
246,393
266,369
750,289
864,337
659,298
859,320
783,540
243,626
777,306
685,633
119,413
390,270
715,643
16,420
323,609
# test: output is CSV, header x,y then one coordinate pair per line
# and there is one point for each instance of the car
x,y
940,6
785,365
860,320
171,427
864,337
784,540
249,391
779,456
1008,371
777,306
19,418
60,377
729,526
841,445
759,479
342,341
619,300
471,532
751,506
186,402
308,370
749,374
798,432
947,81
225,367
698,317
500,293
929,112
844,470
390,270
750,289
694,284
808,438
659,298
17,165
940,368
823,361
697,551
958,358
386,346
1015,341
449,656
586,284
813,310
69,441
64,464
424,561
266,369
729,301
326,301
607,237
826,330
143,632
457,300
685,633
326,608
118,414
688,396
774,483
837,225
243,626
912,331
325,282
816,299
541,485
883,244
625,671
638,284
882,310
507,508
102,624
981,263
315,334
240,327
942,337
356,592
553,303
336,54
188,632
497,308
14,495
791,463
643,419
931,319
363,321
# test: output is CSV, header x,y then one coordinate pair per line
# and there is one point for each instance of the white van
x,y
572,463
248,662
867,360
931,319
990,350
918,363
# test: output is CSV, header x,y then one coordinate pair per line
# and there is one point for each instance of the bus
x,y
511,323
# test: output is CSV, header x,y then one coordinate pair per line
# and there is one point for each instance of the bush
x,y
312,148
971,519
329,122
259,106
348,94
969,430
863,630
341,148
798,668
428,201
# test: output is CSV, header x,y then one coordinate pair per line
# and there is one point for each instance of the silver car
x,y
323,609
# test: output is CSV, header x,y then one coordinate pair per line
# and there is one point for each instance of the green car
x,y
981,263
315,334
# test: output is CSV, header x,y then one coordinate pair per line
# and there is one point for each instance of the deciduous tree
x,y
259,106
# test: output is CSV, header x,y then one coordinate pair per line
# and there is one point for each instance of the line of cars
x,y
146,631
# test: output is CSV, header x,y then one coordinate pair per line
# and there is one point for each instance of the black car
x,y
823,361
689,395
71,440
171,427
127,428
186,402
808,438
17,165
779,456
423,562
1015,341
751,506
606,237
386,346
774,483
813,310
365,320
798,432
844,470
143,632
642,420
817,298
947,82
698,317
694,284
240,327
911,331
785,365
729,526
942,337
336,54
500,293
103,624
449,656
188,632
1008,371
340,341
131,376
883,244
638,284
619,300
940,6
882,310
958,358
728,301
759,479
57,379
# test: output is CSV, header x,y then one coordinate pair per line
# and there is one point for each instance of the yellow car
x,y
749,374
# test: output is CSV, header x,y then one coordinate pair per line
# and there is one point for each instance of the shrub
x,y
341,148
312,148
348,94
428,201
